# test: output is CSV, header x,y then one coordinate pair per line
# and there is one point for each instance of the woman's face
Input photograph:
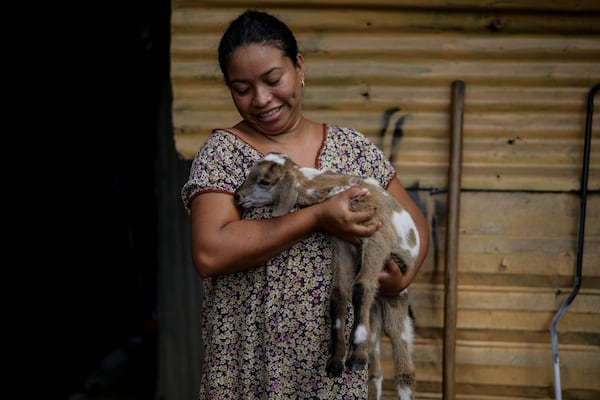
x,y
266,87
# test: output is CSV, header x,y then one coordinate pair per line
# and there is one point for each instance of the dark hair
x,y
256,27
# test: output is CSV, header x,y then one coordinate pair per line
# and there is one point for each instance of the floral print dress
x,y
266,330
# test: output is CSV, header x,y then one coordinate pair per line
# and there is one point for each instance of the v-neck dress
x,y
266,330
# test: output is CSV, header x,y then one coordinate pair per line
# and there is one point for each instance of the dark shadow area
x,y
106,177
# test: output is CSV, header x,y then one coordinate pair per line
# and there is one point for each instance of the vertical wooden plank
x,y
454,185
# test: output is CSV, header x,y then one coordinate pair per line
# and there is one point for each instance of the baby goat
x,y
278,180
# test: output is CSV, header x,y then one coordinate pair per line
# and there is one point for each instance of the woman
x,y
267,280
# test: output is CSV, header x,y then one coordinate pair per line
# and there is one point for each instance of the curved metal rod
x,y
582,208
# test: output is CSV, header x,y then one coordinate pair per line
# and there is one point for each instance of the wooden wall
x,y
386,68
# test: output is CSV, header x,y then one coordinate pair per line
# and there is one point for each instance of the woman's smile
x,y
270,114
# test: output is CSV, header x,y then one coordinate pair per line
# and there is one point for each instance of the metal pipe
x,y
454,183
582,209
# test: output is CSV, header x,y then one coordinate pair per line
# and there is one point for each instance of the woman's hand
x,y
337,218
391,279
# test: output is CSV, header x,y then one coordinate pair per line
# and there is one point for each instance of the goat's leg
x,y
398,326
343,277
335,364
375,373
363,295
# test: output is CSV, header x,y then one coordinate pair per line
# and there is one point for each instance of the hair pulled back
x,y
256,27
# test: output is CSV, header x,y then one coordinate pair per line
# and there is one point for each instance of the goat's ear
x,y
285,195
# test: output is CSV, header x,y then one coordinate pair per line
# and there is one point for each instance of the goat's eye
x,y
263,183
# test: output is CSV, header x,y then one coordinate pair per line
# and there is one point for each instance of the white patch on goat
x,y
338,324
372,181
404,224
338,189
376,344
276,158
408,334
360,335
404,393
310,173
374,337
378,385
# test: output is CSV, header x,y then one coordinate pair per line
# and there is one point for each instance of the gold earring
x,y
302,82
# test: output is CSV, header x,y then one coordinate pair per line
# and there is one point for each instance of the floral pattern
x,y
265,330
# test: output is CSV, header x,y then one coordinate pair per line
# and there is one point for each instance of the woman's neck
x,y
302,143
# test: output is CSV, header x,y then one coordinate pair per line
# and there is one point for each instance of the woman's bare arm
x,y
224,243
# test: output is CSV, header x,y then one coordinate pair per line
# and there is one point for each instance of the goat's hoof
x,y
334,369
355,364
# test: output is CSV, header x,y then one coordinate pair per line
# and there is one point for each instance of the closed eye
x,y
263,183
241,92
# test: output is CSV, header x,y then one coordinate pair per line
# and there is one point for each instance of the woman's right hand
x,y
336,217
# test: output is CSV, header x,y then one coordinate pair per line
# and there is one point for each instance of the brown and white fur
x,y
278,180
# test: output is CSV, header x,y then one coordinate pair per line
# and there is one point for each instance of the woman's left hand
x,y
391,281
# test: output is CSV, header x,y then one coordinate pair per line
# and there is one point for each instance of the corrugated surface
x,y
515,269
526,84
526,91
